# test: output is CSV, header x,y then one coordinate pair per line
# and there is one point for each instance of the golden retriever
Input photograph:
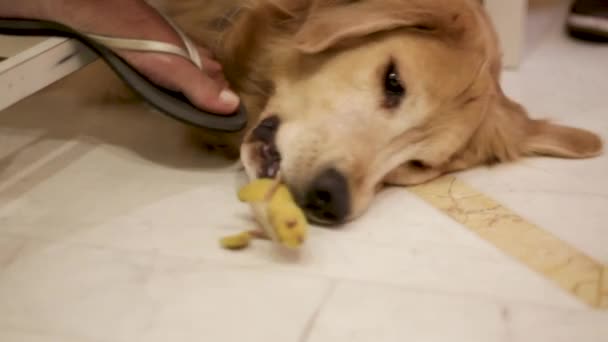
x,y
347,96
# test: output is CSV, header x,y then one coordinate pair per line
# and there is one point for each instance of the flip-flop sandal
x,y
173,104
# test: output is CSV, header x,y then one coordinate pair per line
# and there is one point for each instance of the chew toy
x,y
280,218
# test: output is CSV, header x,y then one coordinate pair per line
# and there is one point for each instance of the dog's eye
x,y
418,165
392,81
393,87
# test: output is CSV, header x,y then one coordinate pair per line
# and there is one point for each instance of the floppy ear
x,y
550,139
331,22
507,133
540,137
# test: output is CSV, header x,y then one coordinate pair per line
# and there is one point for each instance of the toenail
x,y
228,97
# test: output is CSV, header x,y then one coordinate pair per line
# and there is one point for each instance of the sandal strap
x,y
145,45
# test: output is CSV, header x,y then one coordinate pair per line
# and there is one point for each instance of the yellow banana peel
x,y
280,218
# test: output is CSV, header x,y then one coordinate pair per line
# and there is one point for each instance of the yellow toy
x,y
281,220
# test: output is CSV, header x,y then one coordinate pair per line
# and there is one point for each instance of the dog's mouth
x,y
270,160
263,151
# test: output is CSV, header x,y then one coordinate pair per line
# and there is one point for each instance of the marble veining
x,y
570,268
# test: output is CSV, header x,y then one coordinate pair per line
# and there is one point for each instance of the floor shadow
x,y
130,126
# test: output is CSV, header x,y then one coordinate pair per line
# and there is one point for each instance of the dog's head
x,y
374,92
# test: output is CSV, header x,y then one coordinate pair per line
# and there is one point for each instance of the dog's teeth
x,y
273,169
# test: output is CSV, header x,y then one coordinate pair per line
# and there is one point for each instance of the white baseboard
x,y
33,64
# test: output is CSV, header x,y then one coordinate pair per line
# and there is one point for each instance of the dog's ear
x,y
330,22
538,137
508,133
550,139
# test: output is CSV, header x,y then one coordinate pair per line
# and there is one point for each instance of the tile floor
x,y
108,233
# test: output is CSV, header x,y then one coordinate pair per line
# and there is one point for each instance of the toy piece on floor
x,y
275,209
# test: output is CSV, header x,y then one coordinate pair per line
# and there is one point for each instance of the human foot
x,y
136,19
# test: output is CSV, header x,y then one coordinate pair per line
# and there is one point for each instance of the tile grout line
x,y
312,321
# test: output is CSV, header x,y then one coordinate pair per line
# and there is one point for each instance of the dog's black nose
x,y
328,198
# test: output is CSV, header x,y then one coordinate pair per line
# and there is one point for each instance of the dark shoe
x,y
588,20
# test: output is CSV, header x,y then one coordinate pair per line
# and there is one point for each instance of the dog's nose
x,y
328,198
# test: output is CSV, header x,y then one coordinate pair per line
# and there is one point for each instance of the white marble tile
x,y
571,207
65,290
362,312
219,303
9,335
418,247
96,294
97,188
10,247
105,165
550,325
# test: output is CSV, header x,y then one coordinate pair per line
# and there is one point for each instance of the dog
x,y
349,96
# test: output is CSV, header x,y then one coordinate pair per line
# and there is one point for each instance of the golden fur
x,y
317,65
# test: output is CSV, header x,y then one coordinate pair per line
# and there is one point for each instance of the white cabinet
x,y
509,17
